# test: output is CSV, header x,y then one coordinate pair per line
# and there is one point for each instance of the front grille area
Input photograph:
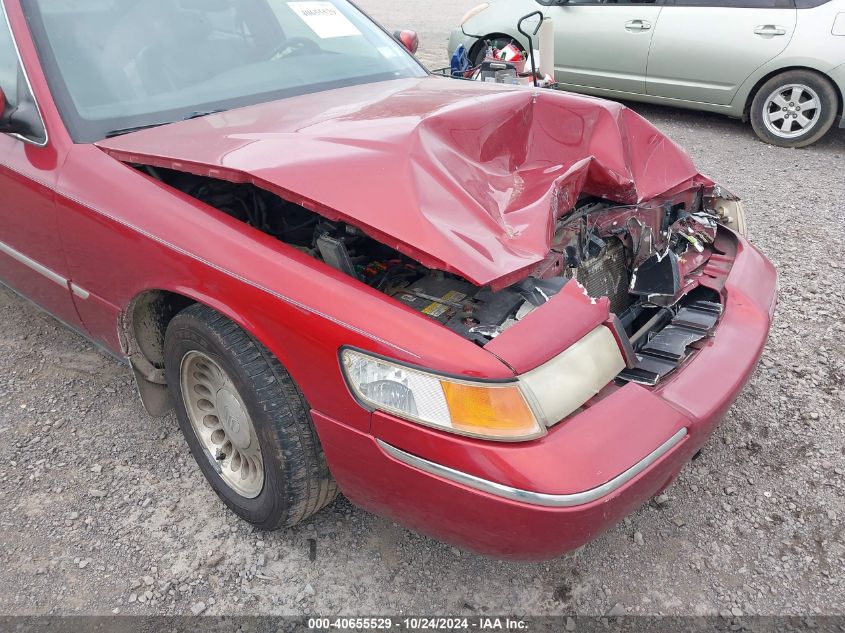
x,y
667,348
607,276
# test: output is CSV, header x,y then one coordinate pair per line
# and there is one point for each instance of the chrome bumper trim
x,y
526,496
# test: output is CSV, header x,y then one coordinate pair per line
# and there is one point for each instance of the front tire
x,y
794,109
245,420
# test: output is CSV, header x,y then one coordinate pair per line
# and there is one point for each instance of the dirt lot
x,y
102,508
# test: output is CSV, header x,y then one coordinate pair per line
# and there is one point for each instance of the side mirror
x,y
22,119
408,39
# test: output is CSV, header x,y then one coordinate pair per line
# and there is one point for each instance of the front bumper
x,y
539,499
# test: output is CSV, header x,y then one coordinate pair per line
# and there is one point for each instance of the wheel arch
x,y
142,325
474,49
749,99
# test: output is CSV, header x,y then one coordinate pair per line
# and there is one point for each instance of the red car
x,y
502,316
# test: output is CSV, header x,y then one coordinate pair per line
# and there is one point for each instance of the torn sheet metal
x,y
542,334
461,176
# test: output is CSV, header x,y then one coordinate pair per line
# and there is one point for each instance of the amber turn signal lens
x,y
483,410
492,411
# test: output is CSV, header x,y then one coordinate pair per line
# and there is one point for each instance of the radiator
x,y
607,276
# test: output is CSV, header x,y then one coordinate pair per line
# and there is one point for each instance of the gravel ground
x,y
103,510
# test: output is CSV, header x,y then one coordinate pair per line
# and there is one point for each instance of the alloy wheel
x,y
792,111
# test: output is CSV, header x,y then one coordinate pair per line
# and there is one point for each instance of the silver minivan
x,y
778,63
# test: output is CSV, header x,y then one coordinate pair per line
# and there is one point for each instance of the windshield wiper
x,y
129,130
196,114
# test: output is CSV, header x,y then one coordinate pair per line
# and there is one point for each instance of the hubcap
x,y
222,424
792,110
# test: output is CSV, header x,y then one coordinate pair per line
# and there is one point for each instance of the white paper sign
x,y
324,19
387,52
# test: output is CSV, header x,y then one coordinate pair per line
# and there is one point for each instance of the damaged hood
x,y
461,176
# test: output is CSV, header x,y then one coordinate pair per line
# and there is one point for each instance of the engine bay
x,y
642,258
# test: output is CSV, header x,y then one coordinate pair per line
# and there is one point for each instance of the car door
x,y
603,44
703,50
31,258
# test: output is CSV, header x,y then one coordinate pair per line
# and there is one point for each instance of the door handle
x,y
769,30
637,25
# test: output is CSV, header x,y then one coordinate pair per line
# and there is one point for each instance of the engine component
x,y
494,308
334,253
437,296
538,291
491,313
596,242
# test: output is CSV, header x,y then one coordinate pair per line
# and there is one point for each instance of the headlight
x,y
517,410
571,378
474,11
488,410
732,213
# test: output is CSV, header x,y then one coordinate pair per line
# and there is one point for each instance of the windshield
x,y
116,65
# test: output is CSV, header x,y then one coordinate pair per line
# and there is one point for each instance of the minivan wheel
x,y
794,109
246,422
